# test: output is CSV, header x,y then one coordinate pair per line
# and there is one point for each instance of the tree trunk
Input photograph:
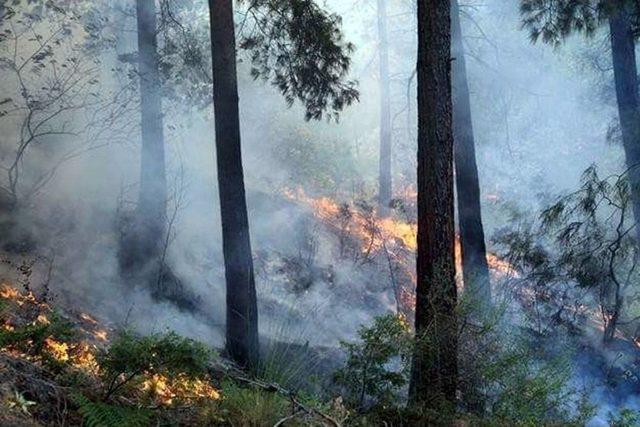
x,y
626,80
142,244
474,253
385,191
435,367
242,311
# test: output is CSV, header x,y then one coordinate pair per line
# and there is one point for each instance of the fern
x,y
100,414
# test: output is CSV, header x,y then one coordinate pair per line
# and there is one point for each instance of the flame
x,y
42,318
7,292
11,293
83,357
165,390
58,350
396,237
101,335
88,318
372,231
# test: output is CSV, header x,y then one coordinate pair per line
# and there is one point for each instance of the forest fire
x,y
58,350
35,317
379,233
164,390
39,342
393,240
101,335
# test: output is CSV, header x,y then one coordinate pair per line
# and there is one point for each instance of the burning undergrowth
x,y
69,369
55,366
344,259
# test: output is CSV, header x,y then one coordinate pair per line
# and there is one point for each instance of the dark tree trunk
x,y
435,366
626,80
153,182
141,246
474,253
242,310
385,191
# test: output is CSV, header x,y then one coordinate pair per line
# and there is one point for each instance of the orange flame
x,y
58,350
376,233
165,390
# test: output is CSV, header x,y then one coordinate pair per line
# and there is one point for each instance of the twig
x,y
285,419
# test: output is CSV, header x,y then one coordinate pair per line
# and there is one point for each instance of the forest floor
x,y
59,367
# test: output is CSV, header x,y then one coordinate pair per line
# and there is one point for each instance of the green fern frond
x,y
100,414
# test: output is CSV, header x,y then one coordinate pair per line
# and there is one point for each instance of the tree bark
x,y
474,252
242,311
385,184
626,80
435,368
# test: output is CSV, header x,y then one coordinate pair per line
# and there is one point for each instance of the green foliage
x,y
626,418
369,372
31,337
296,45
131,356
100,414
247,406
554,20
527,390
299,47
585,240
286,361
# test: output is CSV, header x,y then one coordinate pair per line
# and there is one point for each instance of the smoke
x,y
537,127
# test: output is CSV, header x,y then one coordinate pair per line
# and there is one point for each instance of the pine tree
x,y
299,47
434,368
553,20
242,308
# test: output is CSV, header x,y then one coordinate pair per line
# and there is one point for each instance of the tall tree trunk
x,y
242,310
474,253
143,246
435,366
626,79
384,180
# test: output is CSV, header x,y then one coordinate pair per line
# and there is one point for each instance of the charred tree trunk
x,y
474,252
242,310
384,180
153,181
435,367
626,80
142,243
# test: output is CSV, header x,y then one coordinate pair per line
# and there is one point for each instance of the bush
x,y
31,337
131,356
378,366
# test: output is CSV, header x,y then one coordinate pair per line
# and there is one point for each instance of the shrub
x,y
377,367
31,337
131,356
